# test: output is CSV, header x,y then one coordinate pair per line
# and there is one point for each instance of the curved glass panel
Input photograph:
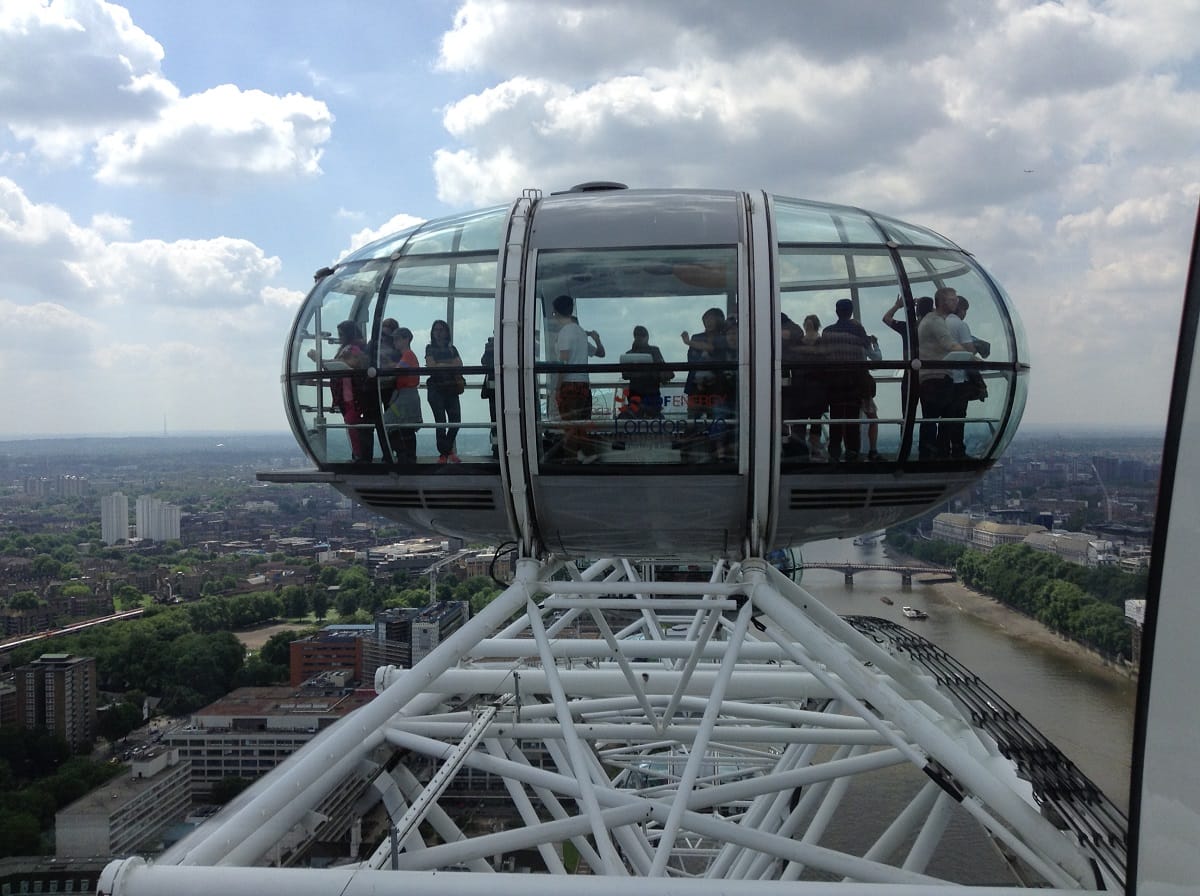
x,y
637,218
991,327
1018,409
664,391
1015,327
911,234
432,414
477,232
328,361
797,221
961,404
827,381
384,247
983,412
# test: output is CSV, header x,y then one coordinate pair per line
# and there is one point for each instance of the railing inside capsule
x,y
671,426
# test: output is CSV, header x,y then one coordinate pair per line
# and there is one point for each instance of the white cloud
x,y
1056,140
79,75
213,274
467,179
71,70
220,138
288,299
51,257
39,247
30,328
111,226
570,41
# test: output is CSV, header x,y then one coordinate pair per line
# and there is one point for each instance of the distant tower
x,y
114,518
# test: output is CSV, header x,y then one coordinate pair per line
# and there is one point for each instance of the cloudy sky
x,y
171,174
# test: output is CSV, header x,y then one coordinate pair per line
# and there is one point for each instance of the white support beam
x,y
441,779
575,748
133,877
682,752
251,831
699,745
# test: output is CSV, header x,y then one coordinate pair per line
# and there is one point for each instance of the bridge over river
x,y
939,573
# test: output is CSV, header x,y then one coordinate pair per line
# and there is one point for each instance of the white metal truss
x,y
678,735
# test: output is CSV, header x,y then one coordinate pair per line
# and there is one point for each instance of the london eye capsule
x,y
686,373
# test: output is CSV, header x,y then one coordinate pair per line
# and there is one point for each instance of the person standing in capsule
x,y
441,389
349,393
574,393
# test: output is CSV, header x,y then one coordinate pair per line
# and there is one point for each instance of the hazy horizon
x,y
1029,428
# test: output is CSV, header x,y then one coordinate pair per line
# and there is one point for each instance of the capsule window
x,y
328,361
664,391
425,416
833,379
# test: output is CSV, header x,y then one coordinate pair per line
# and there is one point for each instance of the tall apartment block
x,y
156,520
114,518
58,692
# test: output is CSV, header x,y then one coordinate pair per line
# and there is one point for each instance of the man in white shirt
x,y
934,341
959,331
573,394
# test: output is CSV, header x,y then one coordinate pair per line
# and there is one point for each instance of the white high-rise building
x,y
156,519
114,518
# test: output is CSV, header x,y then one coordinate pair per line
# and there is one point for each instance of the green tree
x,y
295,601
20,834
115,722
46,567
256,672
31,753
24,600
210,614
126,596
205,663
347,602
278,649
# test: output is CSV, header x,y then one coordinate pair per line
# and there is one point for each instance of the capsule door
x,y
638,401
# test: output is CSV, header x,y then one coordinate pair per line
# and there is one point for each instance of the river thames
x,y
1084,706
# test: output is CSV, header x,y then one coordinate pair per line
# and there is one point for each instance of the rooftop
x,y
284,701
120,790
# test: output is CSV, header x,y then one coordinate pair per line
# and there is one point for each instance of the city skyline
x,y
171,176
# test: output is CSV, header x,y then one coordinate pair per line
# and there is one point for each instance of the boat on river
x,y
914,613
887,600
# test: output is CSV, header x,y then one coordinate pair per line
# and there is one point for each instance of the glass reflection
x,y
665,389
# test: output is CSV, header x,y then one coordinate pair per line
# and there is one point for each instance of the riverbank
x,y
1011,622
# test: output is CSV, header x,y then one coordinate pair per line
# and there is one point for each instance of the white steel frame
x,y
708,734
